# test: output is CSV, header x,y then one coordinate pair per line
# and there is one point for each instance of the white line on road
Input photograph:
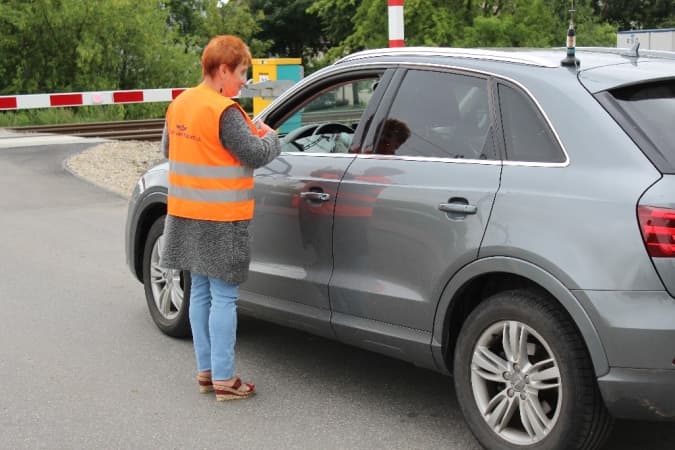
x,y
12,140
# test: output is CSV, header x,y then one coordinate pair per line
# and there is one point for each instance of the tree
x,y
292,30
532,23
335,17
636,14
233,17
431,22
427,22
186,16
337,22
469,23
69,45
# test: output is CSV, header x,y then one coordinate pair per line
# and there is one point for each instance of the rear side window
x,y
649,118
527,137
438,114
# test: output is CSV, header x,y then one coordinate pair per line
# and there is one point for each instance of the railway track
x,y
138,130
151,129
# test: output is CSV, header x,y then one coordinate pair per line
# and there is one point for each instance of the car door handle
x,y
457,208
317,196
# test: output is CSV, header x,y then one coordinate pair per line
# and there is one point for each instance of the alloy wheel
x,y
516,382
167,285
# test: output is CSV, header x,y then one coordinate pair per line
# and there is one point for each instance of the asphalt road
x,y
83,367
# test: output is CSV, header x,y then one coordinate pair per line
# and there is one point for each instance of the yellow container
x,y
266,69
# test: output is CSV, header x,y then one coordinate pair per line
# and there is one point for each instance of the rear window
x,y
648,116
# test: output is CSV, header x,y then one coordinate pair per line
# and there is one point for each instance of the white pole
x,y
396,36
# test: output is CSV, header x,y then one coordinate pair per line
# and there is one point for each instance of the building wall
x,y
663,39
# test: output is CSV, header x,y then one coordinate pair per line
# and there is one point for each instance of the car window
x,y
326,123
651,108
437,114
527,137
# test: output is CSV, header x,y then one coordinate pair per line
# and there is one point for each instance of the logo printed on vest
x,y
181,132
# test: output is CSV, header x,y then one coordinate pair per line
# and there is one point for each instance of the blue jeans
x,y
213,318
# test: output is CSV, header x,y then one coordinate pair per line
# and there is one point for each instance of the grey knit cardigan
x,y
218,249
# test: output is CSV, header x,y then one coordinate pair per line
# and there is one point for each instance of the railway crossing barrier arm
x,y
265,89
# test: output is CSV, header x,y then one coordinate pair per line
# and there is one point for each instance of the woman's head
x,y
225,63
224,49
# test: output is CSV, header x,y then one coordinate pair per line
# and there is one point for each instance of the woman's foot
x,y
205,383
233,389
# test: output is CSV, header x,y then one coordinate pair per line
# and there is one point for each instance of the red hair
x,y
224,49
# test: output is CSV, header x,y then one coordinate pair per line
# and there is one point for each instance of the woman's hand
x,y
264,128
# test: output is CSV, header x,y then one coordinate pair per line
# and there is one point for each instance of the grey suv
x,y
491,215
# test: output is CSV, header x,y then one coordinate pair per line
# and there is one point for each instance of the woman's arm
x,y
251,150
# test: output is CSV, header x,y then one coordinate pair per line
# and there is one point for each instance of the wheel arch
x,y
151,208
484,277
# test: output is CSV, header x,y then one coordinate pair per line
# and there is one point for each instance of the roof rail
x,y
622,51
518,56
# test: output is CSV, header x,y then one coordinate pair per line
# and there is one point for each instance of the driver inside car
x,y
394,134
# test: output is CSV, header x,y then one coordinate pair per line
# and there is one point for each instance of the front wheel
x,y
524,379
167,291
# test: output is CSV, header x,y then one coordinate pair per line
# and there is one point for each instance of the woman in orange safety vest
x,y
213,147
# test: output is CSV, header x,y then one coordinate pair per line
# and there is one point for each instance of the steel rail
x,y
141,130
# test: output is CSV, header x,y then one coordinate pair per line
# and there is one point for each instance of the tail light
x,y
658,230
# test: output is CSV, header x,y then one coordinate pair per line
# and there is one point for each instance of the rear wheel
x,y
524,379
167,291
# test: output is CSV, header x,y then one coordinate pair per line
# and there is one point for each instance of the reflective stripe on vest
x,y
211,195
197,170
206,181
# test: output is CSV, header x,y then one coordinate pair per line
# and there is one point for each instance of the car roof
x,y
601,68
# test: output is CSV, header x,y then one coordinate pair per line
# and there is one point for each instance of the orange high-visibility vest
x,y
206,181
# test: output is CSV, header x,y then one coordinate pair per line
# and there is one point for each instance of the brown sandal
x,y
205,384
236,391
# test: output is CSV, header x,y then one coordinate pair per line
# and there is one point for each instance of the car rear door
x,y
412,209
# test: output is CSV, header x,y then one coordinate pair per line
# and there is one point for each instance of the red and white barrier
x,y
33,101
396,36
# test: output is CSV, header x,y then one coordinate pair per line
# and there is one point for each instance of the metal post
x,y
396,36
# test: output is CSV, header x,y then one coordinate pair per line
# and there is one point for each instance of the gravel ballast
x,y
116,165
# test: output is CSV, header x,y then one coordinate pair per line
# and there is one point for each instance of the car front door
x,y
412,209
292,250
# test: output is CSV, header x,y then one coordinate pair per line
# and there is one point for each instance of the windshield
x,y
651,109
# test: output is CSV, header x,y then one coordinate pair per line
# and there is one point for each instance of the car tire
x,y
524,379
167,291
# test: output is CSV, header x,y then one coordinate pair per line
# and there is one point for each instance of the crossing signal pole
x,y
396,36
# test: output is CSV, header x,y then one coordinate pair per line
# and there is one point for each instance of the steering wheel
x,y
299,133
332,128
315,131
